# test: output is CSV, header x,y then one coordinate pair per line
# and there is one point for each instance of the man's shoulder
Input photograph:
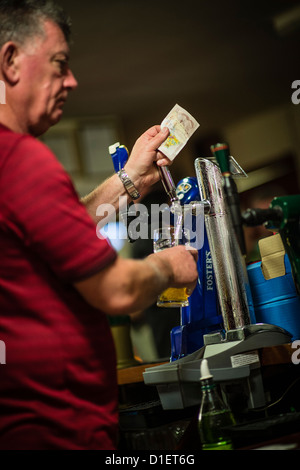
x,y
8,140
13,144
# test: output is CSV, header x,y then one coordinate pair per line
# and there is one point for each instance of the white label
x,y
239,360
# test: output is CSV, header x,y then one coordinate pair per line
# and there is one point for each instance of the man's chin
x,y
56,118
44,124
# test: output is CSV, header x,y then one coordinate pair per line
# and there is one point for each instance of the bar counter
x,y
155,427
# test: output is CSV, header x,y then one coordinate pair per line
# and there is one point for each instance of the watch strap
x,y
128,185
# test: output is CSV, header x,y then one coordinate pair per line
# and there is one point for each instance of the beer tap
x,y
229,266
176,209
221,152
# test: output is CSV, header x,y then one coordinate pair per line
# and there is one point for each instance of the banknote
x,y
181,125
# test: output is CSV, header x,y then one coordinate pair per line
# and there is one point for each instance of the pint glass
x,y
163,238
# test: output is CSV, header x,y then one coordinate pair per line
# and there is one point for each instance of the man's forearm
x,y
126,286
110,191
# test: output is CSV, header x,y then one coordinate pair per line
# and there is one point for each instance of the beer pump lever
x,y
167,182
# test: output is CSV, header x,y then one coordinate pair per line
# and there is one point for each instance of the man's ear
x,y
10,62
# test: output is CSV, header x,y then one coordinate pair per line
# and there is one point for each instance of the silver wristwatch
x,y
128,184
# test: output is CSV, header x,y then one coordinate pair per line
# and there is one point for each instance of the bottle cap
x,y
204,369
113,148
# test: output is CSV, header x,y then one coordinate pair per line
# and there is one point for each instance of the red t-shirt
x,y
58,388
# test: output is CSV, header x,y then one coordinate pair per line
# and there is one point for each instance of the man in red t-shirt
x,y
58,280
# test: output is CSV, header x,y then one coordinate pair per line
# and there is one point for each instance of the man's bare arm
x,y
127,286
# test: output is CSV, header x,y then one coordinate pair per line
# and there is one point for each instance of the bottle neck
x,y
207,384
210,396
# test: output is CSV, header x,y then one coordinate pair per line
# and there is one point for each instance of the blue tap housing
x,y
203,314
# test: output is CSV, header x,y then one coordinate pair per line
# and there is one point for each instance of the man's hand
x,y
141,170
180,263
140,166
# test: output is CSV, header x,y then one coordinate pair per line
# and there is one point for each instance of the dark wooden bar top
x,y
269,356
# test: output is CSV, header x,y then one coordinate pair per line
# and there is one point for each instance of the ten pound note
x,y
181,126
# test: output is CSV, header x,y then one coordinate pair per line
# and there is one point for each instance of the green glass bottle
x,y
214,415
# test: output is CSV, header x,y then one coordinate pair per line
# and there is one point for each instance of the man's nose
x,y
70,81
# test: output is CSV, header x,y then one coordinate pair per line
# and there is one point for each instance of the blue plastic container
x,y
275,301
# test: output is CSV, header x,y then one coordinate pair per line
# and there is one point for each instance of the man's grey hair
x,y
23,19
